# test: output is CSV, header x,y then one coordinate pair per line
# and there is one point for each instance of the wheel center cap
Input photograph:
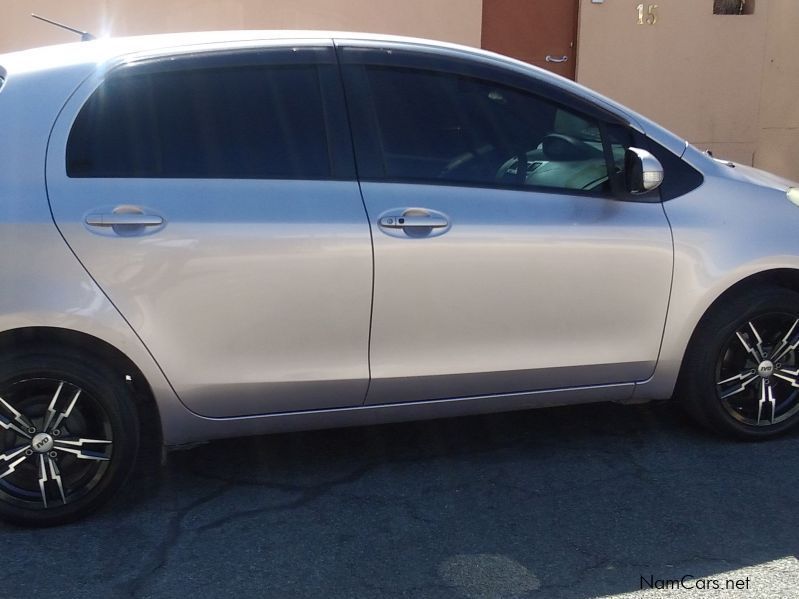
x,y
42,443
766,369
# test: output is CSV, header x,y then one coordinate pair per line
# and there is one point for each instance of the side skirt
x,y
191,428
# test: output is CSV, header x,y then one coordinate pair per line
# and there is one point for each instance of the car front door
x,y
212,197
507,260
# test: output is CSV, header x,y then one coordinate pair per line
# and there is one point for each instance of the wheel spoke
x,y
761,355
64,414
11,455
785,346
43,478
55,475
746,378
748,347
766,395
51,413
19,418
792,376
738,377
70,447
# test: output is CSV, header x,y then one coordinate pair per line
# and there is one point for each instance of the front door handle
x,y
403,222
413,222
115,219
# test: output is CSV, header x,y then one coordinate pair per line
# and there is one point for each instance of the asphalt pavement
x,y
577,502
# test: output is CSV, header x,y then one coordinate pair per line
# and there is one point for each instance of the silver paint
x,y
551,299
486,308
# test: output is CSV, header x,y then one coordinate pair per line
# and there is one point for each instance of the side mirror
x,y
642,171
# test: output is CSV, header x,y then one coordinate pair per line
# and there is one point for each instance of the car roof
x,y
104,50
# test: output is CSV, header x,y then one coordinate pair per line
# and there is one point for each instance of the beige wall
x,y
451,20
729,83
778,123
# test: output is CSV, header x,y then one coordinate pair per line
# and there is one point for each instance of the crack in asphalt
x,y
160,555
308,494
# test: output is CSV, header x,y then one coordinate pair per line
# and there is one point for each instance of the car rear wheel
x,y
741,372
68,437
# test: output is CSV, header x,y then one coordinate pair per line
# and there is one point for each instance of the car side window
x,y
448,128
224,122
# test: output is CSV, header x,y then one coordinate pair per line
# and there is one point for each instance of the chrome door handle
x,y
402,222
114,219
557,60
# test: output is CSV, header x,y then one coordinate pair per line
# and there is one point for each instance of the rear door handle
x,y
556,60
403,222
113,219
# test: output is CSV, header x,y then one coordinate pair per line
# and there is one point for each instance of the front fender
x,y
725,232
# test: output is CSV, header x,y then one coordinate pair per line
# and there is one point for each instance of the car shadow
x,y
580,501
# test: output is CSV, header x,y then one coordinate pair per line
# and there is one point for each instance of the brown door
x,y
541,32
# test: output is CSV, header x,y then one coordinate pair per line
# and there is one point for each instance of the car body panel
x,y
186,429
525,291
738,224
482,305
60,294
253,259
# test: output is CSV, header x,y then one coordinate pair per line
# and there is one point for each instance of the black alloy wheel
x,y
69,436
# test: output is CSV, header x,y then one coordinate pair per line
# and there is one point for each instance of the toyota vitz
x,y
244,233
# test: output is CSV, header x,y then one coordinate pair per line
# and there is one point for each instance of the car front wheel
x,y
68,437
741,373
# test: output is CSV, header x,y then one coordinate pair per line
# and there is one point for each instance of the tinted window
x,y
443,127
242,122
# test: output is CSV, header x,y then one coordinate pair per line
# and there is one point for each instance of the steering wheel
x,y
565,148
509,171
467,160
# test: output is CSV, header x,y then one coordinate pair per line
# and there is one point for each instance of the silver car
x,y
243,233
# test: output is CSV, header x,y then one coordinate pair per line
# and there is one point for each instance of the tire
x,y
69,436
740,375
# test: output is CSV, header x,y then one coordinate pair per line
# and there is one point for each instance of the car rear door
x,y
212,196
491,278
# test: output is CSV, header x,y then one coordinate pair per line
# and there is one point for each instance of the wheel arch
x,y
686,319
786,278
70,340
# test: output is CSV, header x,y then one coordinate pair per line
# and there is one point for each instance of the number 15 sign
x,y
647,15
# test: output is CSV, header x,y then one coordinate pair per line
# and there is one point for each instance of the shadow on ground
x,y
563,502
